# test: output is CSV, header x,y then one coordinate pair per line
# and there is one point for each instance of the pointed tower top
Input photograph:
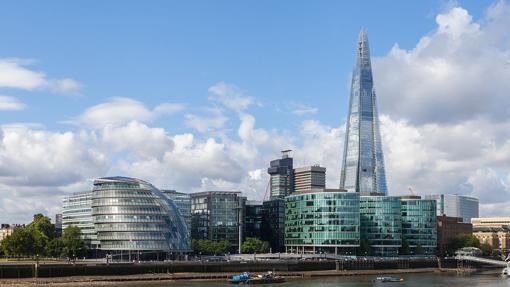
x,y
363,48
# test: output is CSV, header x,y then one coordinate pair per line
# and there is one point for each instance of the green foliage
x,y
419,250
210,247
55,247
463,240
364,248
405,249
254,245
486,249
72,243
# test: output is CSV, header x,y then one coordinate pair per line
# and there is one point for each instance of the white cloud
x,y
213,120
302,109
119,111
230,96
15,74
11,104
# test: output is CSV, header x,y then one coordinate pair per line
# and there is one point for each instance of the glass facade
x,y
381,224
363,162
132,215
254,218
322,221
217,215
273,224
419,223
455,205
77,211
183,203
282,176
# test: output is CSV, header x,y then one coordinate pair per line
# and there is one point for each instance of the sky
x,y
201,95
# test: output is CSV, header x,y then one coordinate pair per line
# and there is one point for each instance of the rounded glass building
x,y
132,215
322,220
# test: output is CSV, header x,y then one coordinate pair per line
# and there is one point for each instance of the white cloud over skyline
x,y
444,128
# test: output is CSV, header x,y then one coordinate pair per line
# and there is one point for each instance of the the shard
x,y
363,161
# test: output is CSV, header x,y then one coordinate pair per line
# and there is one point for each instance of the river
x,y
492,279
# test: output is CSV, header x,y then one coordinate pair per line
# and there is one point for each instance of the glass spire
x,y
363,161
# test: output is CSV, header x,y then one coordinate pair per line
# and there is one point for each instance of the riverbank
x,y
127,280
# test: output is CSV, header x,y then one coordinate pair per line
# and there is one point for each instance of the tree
x,y
19,243
55,247
419,250
486,249
210,247
463,240
405,249
73,244
364,248
254,245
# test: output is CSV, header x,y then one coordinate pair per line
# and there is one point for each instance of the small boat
x,y
246,279
385,279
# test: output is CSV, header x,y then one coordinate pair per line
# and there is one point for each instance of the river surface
x,y
492,279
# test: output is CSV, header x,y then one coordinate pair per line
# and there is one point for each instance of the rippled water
x,y
411,280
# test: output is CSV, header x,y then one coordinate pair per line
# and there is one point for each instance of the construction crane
x,y
411,191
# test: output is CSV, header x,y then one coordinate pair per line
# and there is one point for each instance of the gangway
x,y
482,260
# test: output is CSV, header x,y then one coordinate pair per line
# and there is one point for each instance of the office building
x,y
183,202
419,223
497,237
322,221
381,224
273,224
58,224
77,211
281,176
454,205
131,216
309,177
363,162
218,215
447,229
254,219
490,222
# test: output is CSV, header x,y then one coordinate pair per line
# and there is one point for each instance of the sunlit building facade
x,y
132,215
419,223
77,211
322,220
363,162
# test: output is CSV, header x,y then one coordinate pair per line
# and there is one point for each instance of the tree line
x,y
211,247
39,239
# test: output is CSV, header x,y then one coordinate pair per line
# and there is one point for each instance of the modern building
x,y
309,177
183,202
381,224
134,218
273,224
322,221
58,224
253,219
218,215
281,176
447,229
363,162
455,205
77,211
419,223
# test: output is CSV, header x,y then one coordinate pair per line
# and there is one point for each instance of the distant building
x,y
8,229
273,224
281,176
58,224
381,223
77,211
183,202
254,219
493,230
419,225
322,221
309,177
218,215
447,229
454,205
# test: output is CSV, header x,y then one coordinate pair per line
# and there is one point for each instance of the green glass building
x,y
322,220
419,224
381,224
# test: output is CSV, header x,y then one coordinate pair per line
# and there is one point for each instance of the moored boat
x,y
388,279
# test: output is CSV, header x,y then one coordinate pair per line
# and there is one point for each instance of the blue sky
x,y
197,95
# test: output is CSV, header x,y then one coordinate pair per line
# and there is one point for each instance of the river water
x,y
492,279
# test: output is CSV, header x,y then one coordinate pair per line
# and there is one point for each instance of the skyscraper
x,y
363,162
282,176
